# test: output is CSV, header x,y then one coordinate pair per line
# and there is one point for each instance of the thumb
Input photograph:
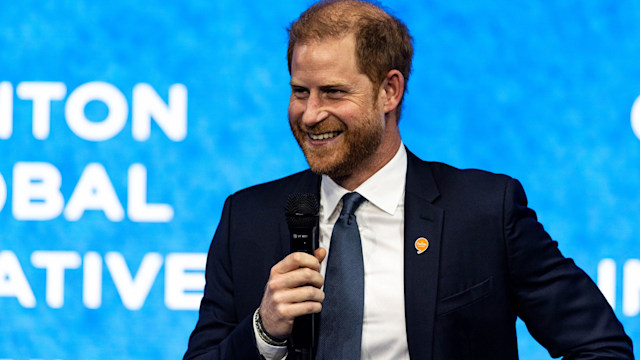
x,y
320,254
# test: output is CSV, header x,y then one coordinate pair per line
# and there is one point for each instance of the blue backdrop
x,y
124,126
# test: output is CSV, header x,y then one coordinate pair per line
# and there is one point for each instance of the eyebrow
x,y
334,85
325,86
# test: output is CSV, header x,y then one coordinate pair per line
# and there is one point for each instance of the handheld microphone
x,y
302,219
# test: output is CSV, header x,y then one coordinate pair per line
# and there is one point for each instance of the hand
x,y
293,289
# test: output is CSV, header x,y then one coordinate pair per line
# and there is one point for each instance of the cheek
x,y
295,110
354,116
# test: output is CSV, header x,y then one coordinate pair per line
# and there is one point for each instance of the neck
x,y
377,161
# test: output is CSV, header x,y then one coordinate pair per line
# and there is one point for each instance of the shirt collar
x,y
384,189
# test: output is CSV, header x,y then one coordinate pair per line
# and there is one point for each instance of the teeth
x,y
324,136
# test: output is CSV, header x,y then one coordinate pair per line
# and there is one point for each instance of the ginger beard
x,y
354,145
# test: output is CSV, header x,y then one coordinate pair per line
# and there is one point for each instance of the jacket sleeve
x,y
219,334
561,306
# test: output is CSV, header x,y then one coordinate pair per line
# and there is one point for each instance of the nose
x,y
314,111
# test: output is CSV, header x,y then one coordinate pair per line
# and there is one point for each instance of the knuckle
x,y
297,257
280,310
272,286
277,298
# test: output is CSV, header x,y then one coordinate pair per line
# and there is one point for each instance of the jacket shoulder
x,y
449,177
443,169
472,187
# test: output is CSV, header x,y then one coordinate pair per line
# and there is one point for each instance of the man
x,y
449,257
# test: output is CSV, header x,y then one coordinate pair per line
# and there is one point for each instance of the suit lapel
x,y
422,219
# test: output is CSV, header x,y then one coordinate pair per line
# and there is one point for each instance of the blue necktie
x,y
340,334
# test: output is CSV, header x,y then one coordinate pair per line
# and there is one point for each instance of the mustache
x,y
325,126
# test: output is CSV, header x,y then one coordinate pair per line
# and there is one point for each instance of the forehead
x,y
335,56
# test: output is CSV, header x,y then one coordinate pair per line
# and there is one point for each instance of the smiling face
x,y
336,114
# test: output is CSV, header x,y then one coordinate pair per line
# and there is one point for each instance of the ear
x,y
391,91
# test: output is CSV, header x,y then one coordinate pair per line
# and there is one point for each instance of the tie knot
x,y
351,202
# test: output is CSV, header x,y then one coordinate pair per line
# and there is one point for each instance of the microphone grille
x,y
302,204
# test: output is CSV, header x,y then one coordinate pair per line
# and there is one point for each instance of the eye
x,y
299,92
334,92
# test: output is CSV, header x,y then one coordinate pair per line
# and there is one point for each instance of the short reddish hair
x,y
383,42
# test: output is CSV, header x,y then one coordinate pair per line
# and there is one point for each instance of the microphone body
x,y
302,219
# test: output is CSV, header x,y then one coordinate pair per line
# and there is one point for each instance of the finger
x,y
299,294
292,311
294,261
295,278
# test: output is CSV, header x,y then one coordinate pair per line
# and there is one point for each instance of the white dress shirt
x,y
381,224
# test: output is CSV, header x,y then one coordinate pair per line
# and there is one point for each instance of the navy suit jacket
x,y
488,262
